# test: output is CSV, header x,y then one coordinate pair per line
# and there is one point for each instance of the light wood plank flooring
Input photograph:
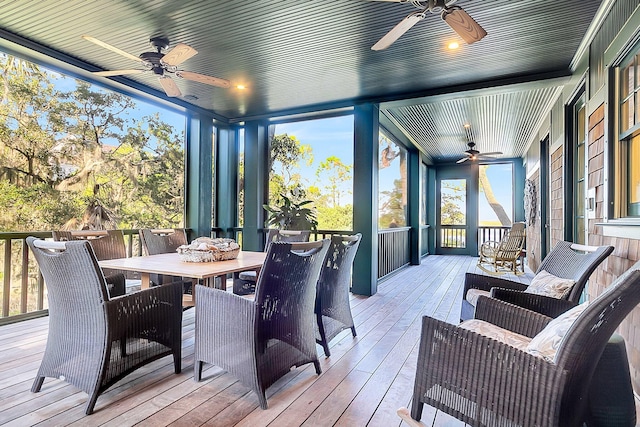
x,y
363,383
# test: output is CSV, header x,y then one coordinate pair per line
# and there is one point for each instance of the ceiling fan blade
x,y
397,31
117,72
180,53
464,159
170,87
493,153
111,48
209,80
463,24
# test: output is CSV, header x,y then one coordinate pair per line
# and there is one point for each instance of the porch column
x,y
256,179
413,208
198,174
365,198
226,179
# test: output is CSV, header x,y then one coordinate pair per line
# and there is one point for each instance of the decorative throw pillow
x,y
547,342
547,284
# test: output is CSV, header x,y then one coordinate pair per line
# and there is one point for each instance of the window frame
x,y
623,208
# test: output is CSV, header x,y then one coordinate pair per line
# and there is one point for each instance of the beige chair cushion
x,y
492,331
473,295
547,342
547,284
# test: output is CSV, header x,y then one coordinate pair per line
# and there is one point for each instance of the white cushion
x,y
547,342
492,331
547,284
473,294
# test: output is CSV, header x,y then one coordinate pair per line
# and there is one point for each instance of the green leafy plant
x,y
289,214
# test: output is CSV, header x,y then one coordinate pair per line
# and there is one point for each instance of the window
x,y
392,181
313,160
628,148
70,148
496,194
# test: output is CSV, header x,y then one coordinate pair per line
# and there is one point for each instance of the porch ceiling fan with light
x,y
455,16
163,65
473,154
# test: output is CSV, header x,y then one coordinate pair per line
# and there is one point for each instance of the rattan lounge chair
x,y
567,260
244,282
260,341
486,382
504,256
93,340
333,311
106,244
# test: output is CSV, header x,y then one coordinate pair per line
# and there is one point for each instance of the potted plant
x,y
289,214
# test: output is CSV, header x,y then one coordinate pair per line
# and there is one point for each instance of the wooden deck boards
x,y
363,382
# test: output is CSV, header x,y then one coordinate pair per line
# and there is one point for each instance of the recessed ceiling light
x,y
467,125
453,45
241,87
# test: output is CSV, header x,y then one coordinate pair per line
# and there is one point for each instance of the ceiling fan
x,y
454,16
473,154
163,65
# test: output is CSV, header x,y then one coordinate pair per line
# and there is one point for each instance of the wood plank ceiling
x,y
298,56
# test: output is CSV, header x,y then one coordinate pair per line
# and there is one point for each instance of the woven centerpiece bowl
x,y
206,249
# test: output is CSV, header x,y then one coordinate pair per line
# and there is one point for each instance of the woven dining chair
x,y
106,244
164,241
259,341
333,311
566,261
485,379
93,340
244,282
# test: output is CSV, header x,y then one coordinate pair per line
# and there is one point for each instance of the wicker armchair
x,y
486,382
259,341
504,256
94,341
333,311
244,282
566,260
163,241
106,244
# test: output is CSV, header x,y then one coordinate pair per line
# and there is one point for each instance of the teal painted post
x,y
519,175
432,208
365,198
256,178
198,173
226,182
413,172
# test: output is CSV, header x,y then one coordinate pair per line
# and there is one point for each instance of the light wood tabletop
x,y
170,264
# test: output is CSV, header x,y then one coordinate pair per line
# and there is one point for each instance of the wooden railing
x,y
393,250
491,233
23,294
453,236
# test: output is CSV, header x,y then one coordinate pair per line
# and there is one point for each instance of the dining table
x,y
204,273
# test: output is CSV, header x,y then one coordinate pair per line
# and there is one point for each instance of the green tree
x,y
336,173
451,203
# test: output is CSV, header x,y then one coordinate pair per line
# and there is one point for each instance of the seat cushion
x,y
248,275
547,342
492,331
547,284
473,295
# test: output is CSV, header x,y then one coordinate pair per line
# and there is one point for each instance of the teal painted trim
x,y
432,208
226,179
199,174
256,178
413,178
365,198
519,176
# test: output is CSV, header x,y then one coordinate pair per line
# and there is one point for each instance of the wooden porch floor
x,y
363,383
